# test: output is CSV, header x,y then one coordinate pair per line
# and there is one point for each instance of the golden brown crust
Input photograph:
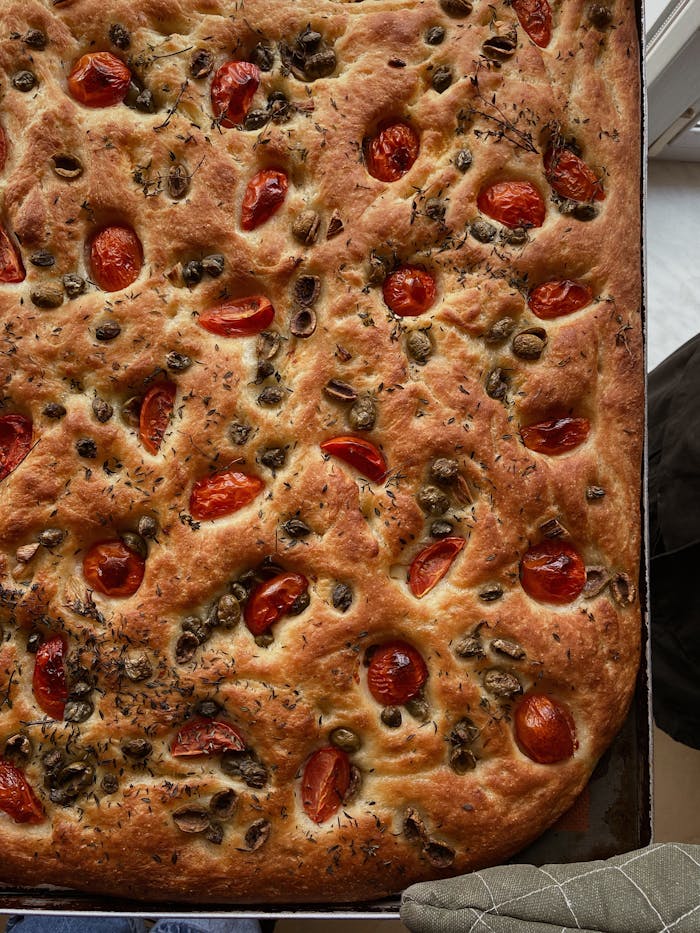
x,y
286,698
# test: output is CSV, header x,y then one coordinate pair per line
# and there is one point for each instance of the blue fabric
x,y
47,923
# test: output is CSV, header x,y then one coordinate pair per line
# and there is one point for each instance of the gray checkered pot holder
x,y
651,890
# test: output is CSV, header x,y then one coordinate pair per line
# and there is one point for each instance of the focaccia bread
x,y
320,436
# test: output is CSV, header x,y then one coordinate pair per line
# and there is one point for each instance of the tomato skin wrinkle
x,y
556,436
535,17
154,418
544,729
553,572
392,151
513,203
49,680
116,258
272,599
558,297
263,197
358,453
17,798
15,442
325,783
11,265
396,673
206,737
432,564
409,291
112,569
570,176
99,79
238,317
223,493
232,90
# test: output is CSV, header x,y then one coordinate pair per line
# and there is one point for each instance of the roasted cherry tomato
x,y
49,681
156,410
431,565
232,92
409,291
325,783
544,729
570,176
513,203
556,436
223,493
238,317
558,297
15,442
11,267
116,258
111,568
392,152
358,453
206,737
553,572
272,599
536,19
99,79
396,673
17,799
263,197
3,148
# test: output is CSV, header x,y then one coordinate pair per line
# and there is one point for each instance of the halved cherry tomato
x,y
558,297
556,436
238,317
272,599
3,148
392,152
409,291
570,176
431,565
116,258
15,442
536,19
49,681
206,737
358,453
11,266
544,729
553,572
156,409
111,568
232,92
263,197
513,203
17,798
396,673
99,79
223,493
325,783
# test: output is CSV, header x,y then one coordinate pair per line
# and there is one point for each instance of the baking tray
x,y
613,815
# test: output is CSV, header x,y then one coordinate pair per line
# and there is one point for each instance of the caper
x,y
456,8
263,371
74,778
295,528
78,710
510,648
178,183
213,265
335,225
599,16
378,269
497,384
435,35
109,784
419,346
464,732
186,647
594,492
223,804
256,119
239,433
192,273
102,410
214,833
444,470
241,764
500,48
74,284
177,362
500,331
502,684
24,81
470,646
271,396
442,78
131,411
120,36
195,626
145,102
257,834
585,212
47,295
274,458
491,593
191,819
528,346
18,748
201,63
418,708
341,391
135,543
86,448
108,331
137,748
432,500
137,667
483,231
51,537
391,717
208,708
305,227
263,56
345,739
35,39
515,237
66,166
228,611
147,526
306,290
463,160
435,209
341,597
55,411
441,529
363,414
42,259
264,639
303,323
300,604
320,64
462,759
279,107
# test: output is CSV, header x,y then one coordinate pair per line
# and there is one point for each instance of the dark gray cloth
x,y
651,890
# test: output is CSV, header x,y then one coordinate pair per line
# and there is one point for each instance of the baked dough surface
x,y
288,696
